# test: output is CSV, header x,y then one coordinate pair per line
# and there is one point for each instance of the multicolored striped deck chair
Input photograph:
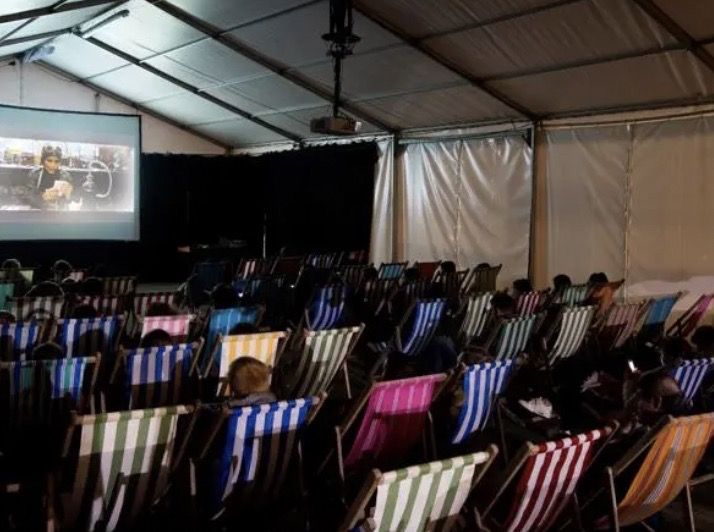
x,y
575,294
21,338
85,337
689,374
687,322
391,270
418,326
178,326
352,274
530,302
116,466
427,270
119,286
254,267
26,308
477,309
265,347
142,302
395,414
221,321
675,450
572,327
156,376
104,305
511,337
549,473
323,355
482,384
327,307
482,280
254,447
418,498
7,290
619,324
323,261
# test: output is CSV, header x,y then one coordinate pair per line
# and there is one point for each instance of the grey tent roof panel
x,y
58,21
299,121
695,16
276,93
189,108
226,15
136,84
231,94
94,60
14,6
240,133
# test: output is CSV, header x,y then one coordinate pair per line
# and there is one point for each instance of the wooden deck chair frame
x,y
369,487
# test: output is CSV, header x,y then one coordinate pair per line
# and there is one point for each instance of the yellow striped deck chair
x,y
674,453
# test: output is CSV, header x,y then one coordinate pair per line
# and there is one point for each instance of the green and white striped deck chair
x,y
116,466
511,337
575,294
481,280
572,327
477,309
323,354
418,498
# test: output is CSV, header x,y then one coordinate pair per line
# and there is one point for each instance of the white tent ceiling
x,y
256,71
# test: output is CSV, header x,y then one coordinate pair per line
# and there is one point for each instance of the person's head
x,y
411,274
161,308
92,286
522,286
448,267
61,268
483,266
243,328
502,304
224,296
561,281
84,311
46,289
156,338
703,338
597,278
661,395
11,265
50,158
401,367
247,376
48,351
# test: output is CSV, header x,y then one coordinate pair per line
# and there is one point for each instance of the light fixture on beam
x,y
102,23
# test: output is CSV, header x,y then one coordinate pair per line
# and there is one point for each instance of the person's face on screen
x,y
51,164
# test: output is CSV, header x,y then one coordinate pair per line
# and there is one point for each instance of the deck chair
x,y
221,321
392,270
254,447
323,354
25,308
657,314
375,294
427,270
548,474
482,384
418,326
675,450
291,268
119,286
156,376
85,337
142,302
352,274
530,302
323,261
482,280
21,338
687,322
511,337
477,308
178,326
572,327
394,418
7,290
115,467
418,289
575,294
619,324
104,305
420,497
689,374
254,267
327,307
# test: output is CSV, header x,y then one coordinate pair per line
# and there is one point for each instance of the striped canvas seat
x,y
482,280
352,274
419,498
20,338
689,374
549,474
511,337
254,452
178,327
673,456
660,309
322,260
687,322
322,356
254,267
327,308
119,286
142,302
575,294
392,270
416,289
619,325
482,383
573,326
376,293
104,305
221,322
84,337
265,347
529,303
477,309
419,330
393,421
7,290
451,284
24,308
156,376
120,463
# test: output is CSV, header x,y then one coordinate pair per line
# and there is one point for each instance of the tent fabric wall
x,y
382,239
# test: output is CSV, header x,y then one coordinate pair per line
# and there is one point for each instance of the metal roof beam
x,y
50,10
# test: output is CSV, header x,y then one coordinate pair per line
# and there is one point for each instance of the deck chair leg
x,y
348,387
502,433
615,524
576,512
689,507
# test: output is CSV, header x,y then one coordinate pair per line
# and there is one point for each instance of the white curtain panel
x,y
382,239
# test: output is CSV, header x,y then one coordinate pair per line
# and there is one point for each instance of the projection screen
x,y
68,175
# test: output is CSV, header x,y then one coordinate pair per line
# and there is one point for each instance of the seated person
x,y
161,309
703,340
224,296
156,338
249,382
520,287
48,351
49,185
84,311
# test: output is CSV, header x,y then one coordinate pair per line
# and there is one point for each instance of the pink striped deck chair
x,y
142,302
394,419
104,305
687,322
619,324
530,302
178,327
549,474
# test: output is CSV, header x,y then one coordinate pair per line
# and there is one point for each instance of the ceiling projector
x,y
335,125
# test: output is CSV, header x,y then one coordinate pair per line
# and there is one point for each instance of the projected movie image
x,y
52,175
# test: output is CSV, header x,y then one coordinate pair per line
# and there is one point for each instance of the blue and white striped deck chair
x,y
572,326
689,374
21,338
85,337
575,294
391,270
482,385
221,321
7,290
327,308
153,377
257,447
421,325
477,309
511,337
25,308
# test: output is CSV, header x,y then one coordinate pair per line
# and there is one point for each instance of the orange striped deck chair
x,y
675,450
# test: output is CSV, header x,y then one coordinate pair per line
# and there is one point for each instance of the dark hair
x,y
483,266
224,296
411,274
46,289
598,278
84,311
243,328
503,302
50,151
522,286
370,273
448,266
160,308
11,264
48,351
703,337
156,338
61,266
561,281
92,286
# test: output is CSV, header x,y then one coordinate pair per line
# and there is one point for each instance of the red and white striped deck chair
x,y
178,327
142,302
549,473
119,286
427,270
26,308
530,302
104,305
395,415
687,322
619,324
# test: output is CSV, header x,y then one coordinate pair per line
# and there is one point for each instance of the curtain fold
x,y
382,237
